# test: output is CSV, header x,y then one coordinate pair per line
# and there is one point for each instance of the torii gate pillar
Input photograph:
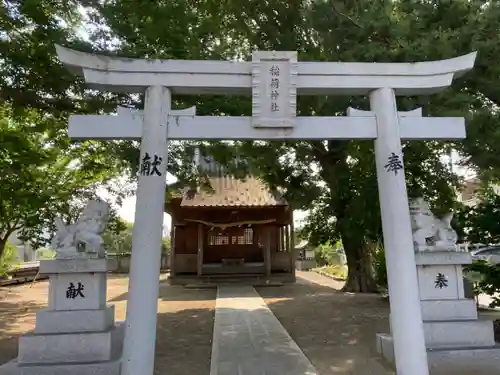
x,y
142,303
406,314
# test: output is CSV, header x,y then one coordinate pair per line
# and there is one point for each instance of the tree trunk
x,y
3,243
360,267
336,172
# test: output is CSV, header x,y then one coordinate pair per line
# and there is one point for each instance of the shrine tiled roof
x,y
227,191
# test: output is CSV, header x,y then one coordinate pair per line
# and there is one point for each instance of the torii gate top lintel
x,y
120,74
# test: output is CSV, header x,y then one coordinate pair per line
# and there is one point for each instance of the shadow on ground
x,y
176,293
13,314
336,331
184,330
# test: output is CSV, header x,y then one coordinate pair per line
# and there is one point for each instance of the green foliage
x,y
380,267
43,176
323,257
166,245
336,271
489,280
118,240
45,253
30,76
328,254
336,179
480,223
8,259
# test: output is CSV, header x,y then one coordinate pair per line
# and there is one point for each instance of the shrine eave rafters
x,y
119,74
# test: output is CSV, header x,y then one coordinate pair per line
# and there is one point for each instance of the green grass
x,y
8,261
45,253
336,271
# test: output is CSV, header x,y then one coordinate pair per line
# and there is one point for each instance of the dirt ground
x,y
335,330
185,322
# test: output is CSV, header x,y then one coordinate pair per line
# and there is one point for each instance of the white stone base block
x,y
71,321
442,257
456,361
457,342
479,361
103,368
76,334
64,365
57,266
93,293
10,368
457,334
446,310
70,347
452,289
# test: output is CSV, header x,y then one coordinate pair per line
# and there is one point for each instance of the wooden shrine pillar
x,y
200,250
282,246
279,235
267,250
172,250
287,246
292,245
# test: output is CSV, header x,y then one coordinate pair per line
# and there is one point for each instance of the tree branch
x,y
343,15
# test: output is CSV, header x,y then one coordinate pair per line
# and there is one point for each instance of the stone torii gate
x,y
273,79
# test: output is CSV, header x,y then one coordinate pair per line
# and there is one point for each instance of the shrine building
x,y
232,229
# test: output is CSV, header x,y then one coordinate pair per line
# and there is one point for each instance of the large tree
x,y
335,178
43,176
480,223
338,177
30,75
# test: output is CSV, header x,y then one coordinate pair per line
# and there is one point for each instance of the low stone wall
x,y
121,263
305,265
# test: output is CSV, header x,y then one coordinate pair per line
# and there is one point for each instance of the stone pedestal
x,y
76,334
457,341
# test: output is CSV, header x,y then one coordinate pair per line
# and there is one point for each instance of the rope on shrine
x,y
234,224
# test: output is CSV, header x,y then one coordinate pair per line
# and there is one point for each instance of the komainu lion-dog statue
x,y
429,232
83,238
